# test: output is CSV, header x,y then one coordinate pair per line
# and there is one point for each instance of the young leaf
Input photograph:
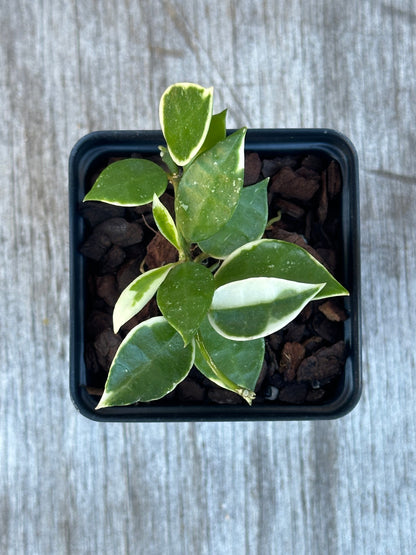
x,y
256,307
240,361
185,112
185,297
165,223
278,259
149,363
167,159
136,295
217,131
130,182
210,189
247,223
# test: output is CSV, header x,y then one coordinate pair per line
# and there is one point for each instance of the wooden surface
x,y
72,486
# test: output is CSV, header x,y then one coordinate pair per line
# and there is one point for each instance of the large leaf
x,y
247,223
210,189
130,182
240,361
279,259
185,297
165,223
256,307
136,295
185,112
149,363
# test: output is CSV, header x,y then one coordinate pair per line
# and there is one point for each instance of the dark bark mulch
x,y
303,361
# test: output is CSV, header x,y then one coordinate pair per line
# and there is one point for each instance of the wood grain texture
x,y
71,486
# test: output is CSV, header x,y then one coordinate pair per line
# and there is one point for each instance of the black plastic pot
x,y
87,156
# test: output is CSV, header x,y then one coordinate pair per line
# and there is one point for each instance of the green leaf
x,y
185,297
217,131
256,307
167,159
247,223
185,112
279,259
210,189
130,182
149,363
136,295
165,223
240,361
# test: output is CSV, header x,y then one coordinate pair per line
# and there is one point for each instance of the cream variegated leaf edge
x,y
137,294
256,307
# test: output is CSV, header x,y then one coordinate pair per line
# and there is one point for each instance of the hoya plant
x,y
229,287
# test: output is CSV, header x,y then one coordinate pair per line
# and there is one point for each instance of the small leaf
x,y
217,131
185,112
247,223
279,259
130,182
185,297
210,189
149,363
136,295
165,223
256,307
240,361
167,159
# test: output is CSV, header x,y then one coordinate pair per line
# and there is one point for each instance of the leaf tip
x,y
102,403
248,395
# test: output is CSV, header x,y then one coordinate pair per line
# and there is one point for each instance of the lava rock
x,y
292,355
120,231
106,346
293,393
333,311
96,212
252,168
107,289
289,184
112,259
160,252
129,271
323,366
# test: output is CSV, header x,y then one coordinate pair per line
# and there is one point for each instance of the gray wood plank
x,y
73,486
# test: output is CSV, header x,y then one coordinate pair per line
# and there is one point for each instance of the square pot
x,y
89,156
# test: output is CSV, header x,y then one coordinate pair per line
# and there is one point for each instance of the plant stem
x,y
201,257
245,393
274,220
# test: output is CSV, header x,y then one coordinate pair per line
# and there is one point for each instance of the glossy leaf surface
x,y
185,297
185,113
217,131
247,223
130,182
149,363
256,307
210,189
240,361
165,223
136,295
278,259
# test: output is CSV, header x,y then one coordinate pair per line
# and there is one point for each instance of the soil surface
x,y
304,360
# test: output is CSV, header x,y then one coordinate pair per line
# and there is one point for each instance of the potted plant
x,y
228,280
